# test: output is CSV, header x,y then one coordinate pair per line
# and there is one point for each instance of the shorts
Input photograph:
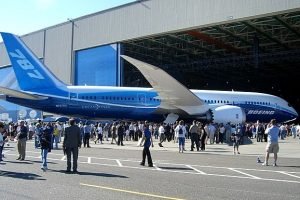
x,y
272,148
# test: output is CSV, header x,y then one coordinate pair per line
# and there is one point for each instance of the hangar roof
x,y
261,55
223,45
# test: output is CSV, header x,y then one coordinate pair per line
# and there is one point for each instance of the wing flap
x,y
20,94
171,92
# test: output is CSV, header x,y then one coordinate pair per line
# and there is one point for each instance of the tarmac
x,y
288,148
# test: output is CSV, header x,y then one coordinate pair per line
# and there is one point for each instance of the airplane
x,y
167,100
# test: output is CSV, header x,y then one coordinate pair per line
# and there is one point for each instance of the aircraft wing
x,y
173,94
20,94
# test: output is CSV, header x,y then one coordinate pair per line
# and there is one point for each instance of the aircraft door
x,y
142,98
72,100
73,95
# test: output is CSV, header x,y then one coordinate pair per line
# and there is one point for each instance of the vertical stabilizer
x,y
32,75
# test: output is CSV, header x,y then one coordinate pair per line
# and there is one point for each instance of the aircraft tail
x,y
32,75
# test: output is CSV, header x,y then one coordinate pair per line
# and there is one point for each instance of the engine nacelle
x,y
227,113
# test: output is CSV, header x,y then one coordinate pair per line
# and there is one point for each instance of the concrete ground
x,y
109,171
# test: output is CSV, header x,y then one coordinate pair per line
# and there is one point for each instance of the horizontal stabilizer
x,y
20,94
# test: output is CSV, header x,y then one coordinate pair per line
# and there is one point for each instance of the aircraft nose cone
x,y
295,113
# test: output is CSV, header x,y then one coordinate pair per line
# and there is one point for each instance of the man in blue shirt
x,y
147,137
272,146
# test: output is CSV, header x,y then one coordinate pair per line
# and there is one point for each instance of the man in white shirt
x,y
211,133
272,146
161,132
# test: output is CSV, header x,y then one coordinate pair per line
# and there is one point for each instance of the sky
x,y
25,16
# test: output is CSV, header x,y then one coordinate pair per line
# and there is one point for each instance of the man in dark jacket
x,y
21,143
71,144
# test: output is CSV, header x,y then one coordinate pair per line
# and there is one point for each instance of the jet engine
x,y
227,113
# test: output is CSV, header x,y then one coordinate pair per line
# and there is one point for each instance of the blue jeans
x,y
1,149
181,141
56,141
36,141
44,153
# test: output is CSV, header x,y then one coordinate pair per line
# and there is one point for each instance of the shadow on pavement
x,y
176,168
34,161
90,174
19,162
289,166
25,176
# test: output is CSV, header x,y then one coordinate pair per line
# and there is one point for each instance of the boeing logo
x,y
26,65
261,112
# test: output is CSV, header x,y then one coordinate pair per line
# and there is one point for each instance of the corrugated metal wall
x,y
141,19
58,51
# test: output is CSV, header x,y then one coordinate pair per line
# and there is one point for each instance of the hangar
x,y
242,45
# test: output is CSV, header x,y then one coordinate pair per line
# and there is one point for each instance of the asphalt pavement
x,y
108,171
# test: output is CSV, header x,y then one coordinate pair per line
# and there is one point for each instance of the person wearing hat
x,y
71,144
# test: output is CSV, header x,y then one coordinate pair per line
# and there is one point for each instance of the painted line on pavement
x,y
255,177
131,192
197,170
183,172
290,174
119,163
156,167
89,160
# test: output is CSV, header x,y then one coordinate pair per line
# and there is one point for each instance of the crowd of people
x,y
46,136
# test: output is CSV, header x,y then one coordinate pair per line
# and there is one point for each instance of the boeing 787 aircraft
x,y
167,100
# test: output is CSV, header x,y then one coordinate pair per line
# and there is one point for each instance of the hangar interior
x,y
257,55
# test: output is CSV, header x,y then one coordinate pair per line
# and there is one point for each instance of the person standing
x,y
37,134
194,136
272,146
211,133
236,136
221,133
105,131
147,137
181,132
87,134
120,131
113,133
71,144
2,131
203,136
21,140
161,132
45,142
56,133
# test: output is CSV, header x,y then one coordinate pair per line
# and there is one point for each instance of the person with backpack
x,y
46,144
181,132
